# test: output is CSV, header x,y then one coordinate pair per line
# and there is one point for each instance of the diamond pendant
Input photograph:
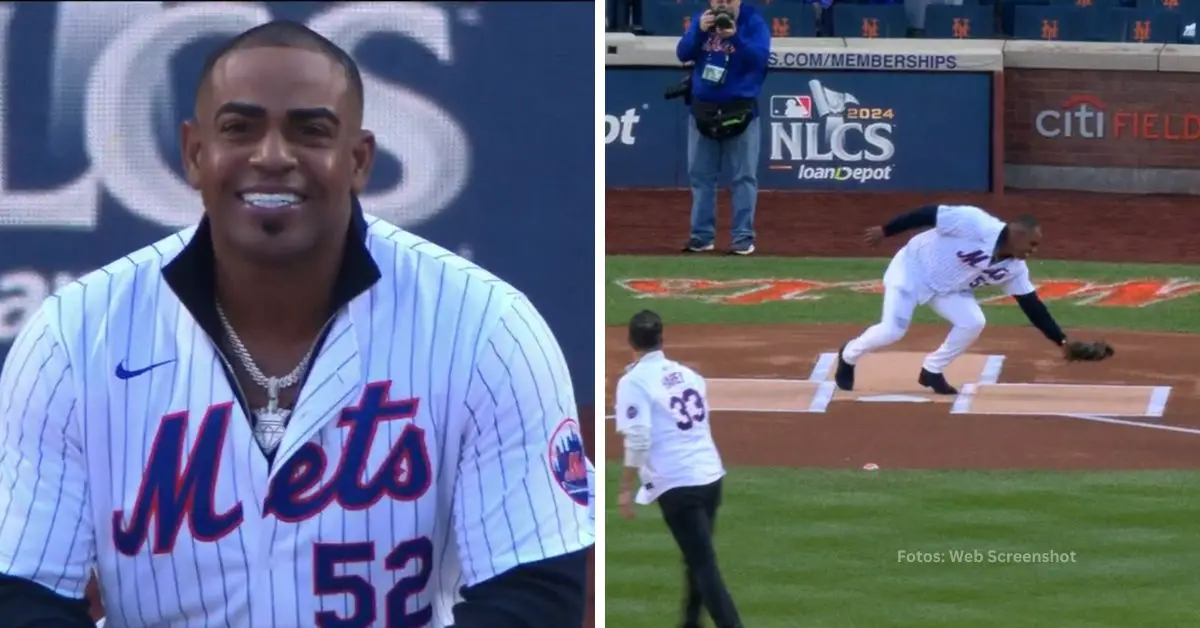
x,y
268,427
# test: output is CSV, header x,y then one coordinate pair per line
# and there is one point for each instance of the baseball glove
x,y
1080,351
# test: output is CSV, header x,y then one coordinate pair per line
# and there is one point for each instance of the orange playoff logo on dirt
x,y
1133,293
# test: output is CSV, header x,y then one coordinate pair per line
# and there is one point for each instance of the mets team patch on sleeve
x,y
631,412
568,461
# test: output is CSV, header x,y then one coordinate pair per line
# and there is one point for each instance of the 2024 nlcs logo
x,y
835,130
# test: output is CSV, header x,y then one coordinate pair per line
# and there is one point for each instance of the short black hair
x,y
646,331
1028,221
287,34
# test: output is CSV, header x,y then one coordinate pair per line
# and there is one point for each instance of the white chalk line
x,y
962,403
1149,426
991,369
992,366
1158,401
825,364
823,396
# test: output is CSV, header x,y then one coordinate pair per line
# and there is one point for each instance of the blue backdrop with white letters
x,y
485,133
821,130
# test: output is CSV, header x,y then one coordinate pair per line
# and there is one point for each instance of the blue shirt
x,y
743,56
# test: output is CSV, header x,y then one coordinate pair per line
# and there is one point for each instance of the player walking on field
x,y
963,249
292,414
662,413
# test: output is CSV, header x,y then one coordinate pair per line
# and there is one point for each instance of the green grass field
x,y
810,548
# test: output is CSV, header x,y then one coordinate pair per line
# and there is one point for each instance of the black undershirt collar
x,y
192,274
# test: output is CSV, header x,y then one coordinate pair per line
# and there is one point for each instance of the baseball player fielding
x,y
293,413
962,249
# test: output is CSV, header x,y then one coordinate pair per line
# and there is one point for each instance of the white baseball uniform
x,y
942,267
662,409
433,446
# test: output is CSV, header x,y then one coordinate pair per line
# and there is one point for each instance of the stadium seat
x,y
667,18
1094,14
1187,9
790,19
1055,23
947,21
1008,13
1151,26
1167,5
1087,4
869,20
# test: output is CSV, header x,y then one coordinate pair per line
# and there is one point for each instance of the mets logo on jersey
x,y
972,258
568,461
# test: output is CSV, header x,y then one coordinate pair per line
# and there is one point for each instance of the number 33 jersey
x,y
669,401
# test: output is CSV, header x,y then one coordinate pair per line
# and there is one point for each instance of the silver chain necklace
x,y
269,422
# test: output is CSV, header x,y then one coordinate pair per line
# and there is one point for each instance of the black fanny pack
x,y
720,121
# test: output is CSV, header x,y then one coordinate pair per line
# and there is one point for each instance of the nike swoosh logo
x,y
122,373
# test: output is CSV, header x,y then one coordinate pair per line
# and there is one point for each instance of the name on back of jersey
x,y
672,379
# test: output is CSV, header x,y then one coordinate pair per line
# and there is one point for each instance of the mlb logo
x,y
791,107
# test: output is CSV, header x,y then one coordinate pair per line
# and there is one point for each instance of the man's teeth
x,y
271,201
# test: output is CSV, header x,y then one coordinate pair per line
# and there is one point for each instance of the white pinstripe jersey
x,y
672,401
433,446
956,254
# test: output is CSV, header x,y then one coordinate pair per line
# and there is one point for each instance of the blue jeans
x,y
706,159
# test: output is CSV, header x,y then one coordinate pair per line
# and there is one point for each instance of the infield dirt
x,y
1077,226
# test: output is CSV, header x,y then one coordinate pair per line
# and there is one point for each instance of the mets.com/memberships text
x,y
862,61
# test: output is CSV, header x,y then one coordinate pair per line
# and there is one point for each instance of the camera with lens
x,y
682,89
722,18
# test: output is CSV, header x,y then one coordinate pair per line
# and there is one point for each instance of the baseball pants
x,y
959,308
691,514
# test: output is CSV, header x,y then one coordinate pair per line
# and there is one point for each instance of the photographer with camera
x,y
728,46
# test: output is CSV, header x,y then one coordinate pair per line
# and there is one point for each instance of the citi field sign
x,y
1085,116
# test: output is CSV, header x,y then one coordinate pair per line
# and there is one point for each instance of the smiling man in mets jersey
x,y
292,414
